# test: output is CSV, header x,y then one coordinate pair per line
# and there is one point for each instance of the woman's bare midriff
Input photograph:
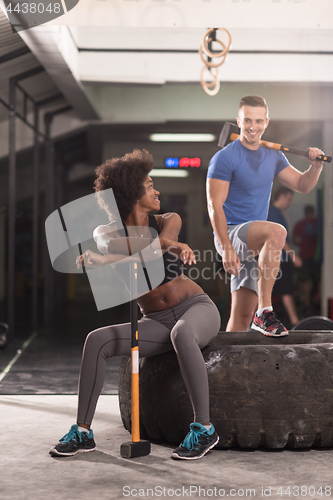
x,y
169,295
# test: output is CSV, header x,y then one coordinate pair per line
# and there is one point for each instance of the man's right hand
x,y
230,260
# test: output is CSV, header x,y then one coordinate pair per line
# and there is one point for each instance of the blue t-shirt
x,y
251,174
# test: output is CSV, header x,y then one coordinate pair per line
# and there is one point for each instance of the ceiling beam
x,y
45,44
254,14
159,68
14,54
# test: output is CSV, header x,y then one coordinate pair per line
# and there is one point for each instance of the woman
x,y
176,315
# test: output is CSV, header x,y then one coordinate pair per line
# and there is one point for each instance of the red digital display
x,y
182,162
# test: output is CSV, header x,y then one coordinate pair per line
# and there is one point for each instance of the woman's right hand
x,y
89,259
182,250
186,254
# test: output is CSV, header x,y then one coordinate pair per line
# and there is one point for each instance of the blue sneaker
x,y
74,442
197,443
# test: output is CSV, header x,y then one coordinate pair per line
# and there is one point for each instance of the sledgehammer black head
x,y
229,133
135,449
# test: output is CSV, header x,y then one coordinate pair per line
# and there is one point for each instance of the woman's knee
x,y
186,337
94,337
182,336
98,339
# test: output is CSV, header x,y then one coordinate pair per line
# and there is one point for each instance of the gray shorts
x,y
248,275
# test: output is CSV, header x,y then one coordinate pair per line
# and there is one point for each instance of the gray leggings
x,y
186,328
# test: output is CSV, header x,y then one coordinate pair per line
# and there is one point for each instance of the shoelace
x,y
73,434
192,438
273,317
269,316
273,320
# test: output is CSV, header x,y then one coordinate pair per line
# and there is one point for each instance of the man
x,y
283,287
239,184
305,235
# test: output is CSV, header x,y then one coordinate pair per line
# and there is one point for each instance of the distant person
x,y
305,235
283,286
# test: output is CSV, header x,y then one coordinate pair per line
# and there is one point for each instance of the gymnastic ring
x,y
204,43
207,51
212,54
211,92
213,74
210,64
213,82
206,86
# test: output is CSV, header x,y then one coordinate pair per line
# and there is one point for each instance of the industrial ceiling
x,y
150,45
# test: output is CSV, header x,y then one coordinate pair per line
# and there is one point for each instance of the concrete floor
x,y
31,424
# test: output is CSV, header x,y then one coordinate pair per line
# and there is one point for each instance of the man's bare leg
x,y
243,304
266,239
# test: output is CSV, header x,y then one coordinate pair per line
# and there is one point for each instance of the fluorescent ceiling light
x,y
166,172
182,137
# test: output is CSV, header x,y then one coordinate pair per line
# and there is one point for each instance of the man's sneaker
x,y
74,442
197,443
269,324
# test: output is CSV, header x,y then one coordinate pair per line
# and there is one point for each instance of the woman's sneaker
x,y
197,443
269,324
74,442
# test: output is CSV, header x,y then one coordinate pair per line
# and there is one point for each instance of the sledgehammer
x,y
229,134
136,447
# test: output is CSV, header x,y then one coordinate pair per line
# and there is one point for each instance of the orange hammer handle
x,y
286,149
135,427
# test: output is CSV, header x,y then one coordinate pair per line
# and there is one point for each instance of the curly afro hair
x,y
125,176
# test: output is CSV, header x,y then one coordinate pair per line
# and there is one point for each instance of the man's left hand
x,y
313,153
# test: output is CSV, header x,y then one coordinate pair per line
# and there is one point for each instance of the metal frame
x,y
12,191
13,86
50,202
36,210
